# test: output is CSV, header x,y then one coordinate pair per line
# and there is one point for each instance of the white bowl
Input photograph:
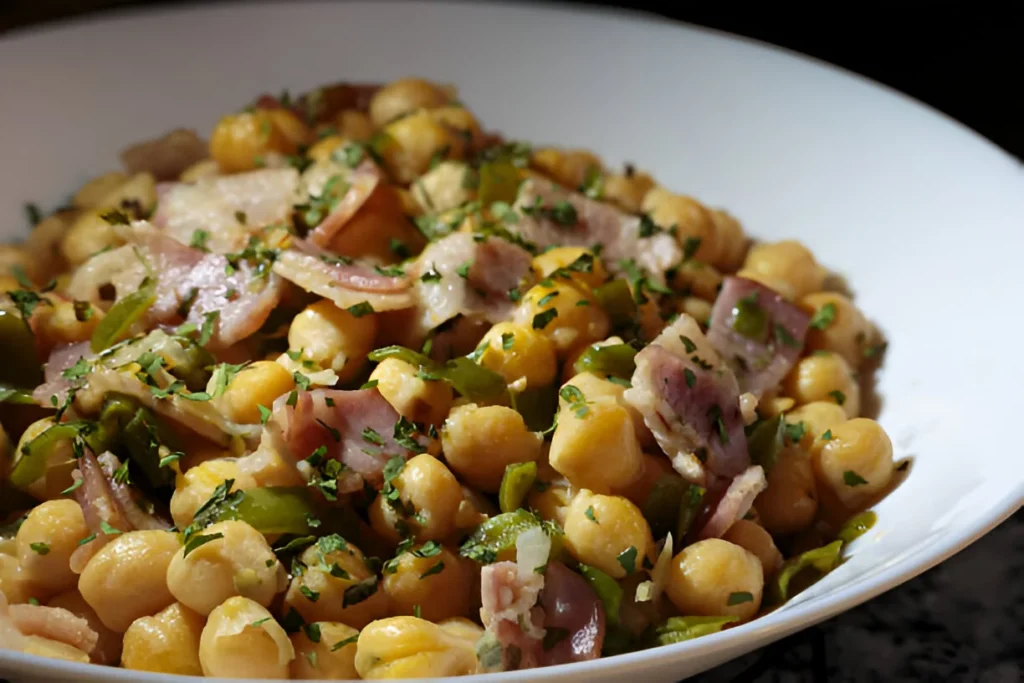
x,y
925,218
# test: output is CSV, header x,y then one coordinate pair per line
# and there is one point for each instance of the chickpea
x,y
207,168
773,282
139,189
43,243
597,389
108,647
45,542
93,193
436,583
548,262
732,242
627,189
595,446
320,660
692,220
199,482
55,649
333,338
331,570
752,537
377,227
701,279
856,463
126,579
817,418
653,468
59,464
552,501
87,236
402,97
255,385
240,140
413,141
517,351
845,327
12,256
353,125
608,532
479,442
460,121
554,309
696,308
824,376
790,501
428,502
443,187
242,640
715,578
789,261
407,647
568,167
239,563
417,399
59,324
166,643
12,580
321,150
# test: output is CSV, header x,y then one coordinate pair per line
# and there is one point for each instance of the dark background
x,y
962,621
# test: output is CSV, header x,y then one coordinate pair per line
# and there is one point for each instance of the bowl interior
x,y
921,216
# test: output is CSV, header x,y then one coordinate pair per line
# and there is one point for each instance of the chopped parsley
x,y
824,316
463,270
360,309
589,514
507,340
827,436
576,400
431,275
627,558
436,569
542,319
360,591
199,540
351,640
687,343
691,379
851,478
794,432
199,240
40,548
309,594
83,311
839,396
738,598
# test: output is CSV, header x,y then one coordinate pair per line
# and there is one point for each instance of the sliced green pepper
x,y
121,316
688,511
194,372
823,559
515,484
608,591
857,526
617,301
678,629
16,396
612,359
661,508
749,319
473,381
142,437
499,182
273,510
495,539
30,463
20,366
537,406
766,441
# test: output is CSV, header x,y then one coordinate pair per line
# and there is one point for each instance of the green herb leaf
x,y
739,598
627,558
542,319
851,478
200,540
360,309
839,396
40,548
823,317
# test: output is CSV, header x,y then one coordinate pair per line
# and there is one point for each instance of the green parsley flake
x,y
738,598
851,478
40,548
199,540
589,514
627,558
824,316
542,319
360,309
839,396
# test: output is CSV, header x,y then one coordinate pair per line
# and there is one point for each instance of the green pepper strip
x,y
194,371
515,484
857,526
608,591
678,629
617,301
498,535
20,366
823,559
15,396
689,510
273,510
766,441
537,406
661,508
31,462
121,316
499,182
473,381
613,359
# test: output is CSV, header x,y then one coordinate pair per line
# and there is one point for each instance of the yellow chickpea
x,y
403,97
413,141
773,282
92,194
88,235
414,397
14,256
255,385
12,580
443,188
552,496
59,324
239,141
45,542
751,536
700,279
166,643
55,649
322,659
517,351
242,640
126,579
433,578
427,505
608,532
697,308
239,562
207,168
43,244
692,220
595,446
824,376
856,463
353,125
817,418
715,578
460,121
327,589
322,149
790,501
841,327
198,483
479,442
627,190
333,338
789,261
568,167
557,310
407,647
598,389
546,263
376,227
108,646
732,242
60,463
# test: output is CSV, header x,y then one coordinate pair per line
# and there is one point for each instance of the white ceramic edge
x,y
740,639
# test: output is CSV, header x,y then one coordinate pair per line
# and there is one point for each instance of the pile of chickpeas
x,y
219,610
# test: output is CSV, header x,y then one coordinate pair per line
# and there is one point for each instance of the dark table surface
x,y
964,620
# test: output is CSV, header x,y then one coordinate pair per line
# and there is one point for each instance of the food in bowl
x,y
360,390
